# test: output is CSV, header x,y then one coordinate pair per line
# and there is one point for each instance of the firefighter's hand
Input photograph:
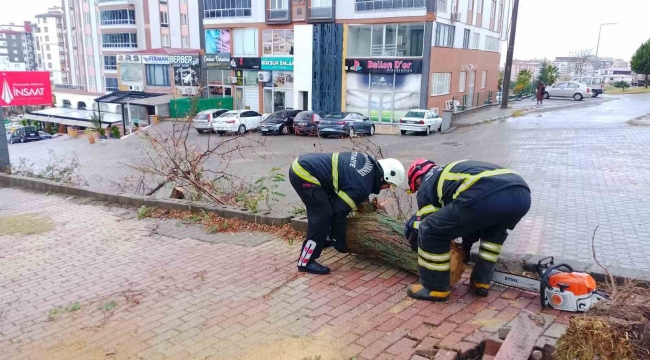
x,y
411,233
413,241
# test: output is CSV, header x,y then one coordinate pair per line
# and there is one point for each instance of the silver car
x,y
203,120
571,89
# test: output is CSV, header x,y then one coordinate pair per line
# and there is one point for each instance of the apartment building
x,y
534,66
17,47
106,35
465,51
51,56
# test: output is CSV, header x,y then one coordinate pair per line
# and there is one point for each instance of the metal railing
x,y
110,67
69,87
320,12
119,45
278,14
118,22
109,1
383,50
377,5
111,89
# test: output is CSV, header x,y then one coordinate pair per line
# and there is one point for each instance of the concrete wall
x,y
302,64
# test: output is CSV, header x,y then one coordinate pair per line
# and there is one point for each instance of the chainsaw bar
x,y
516,281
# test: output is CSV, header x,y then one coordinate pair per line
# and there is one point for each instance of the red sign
x,y
25,88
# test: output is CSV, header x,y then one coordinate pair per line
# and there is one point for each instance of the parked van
x,y
596,83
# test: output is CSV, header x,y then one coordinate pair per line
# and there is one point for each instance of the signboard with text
x,y
277,63
378,66
253,63
129,59
19,88
186,60
220,60
155,59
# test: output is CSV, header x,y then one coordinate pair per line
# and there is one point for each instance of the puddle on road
x,y
26,224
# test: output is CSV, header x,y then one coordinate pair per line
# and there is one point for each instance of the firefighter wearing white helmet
x,y
331,185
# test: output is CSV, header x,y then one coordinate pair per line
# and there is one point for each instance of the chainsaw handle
x,y
543,283
543,264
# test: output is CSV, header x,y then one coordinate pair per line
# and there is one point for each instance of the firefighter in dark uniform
x,y
465,199
330,186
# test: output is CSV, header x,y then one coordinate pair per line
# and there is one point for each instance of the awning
x,y
126,97
153,101
72,117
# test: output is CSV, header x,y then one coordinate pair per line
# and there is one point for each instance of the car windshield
x,y
335,116
202,117
415,114
596,81
30,129
228,114
305,115
278,115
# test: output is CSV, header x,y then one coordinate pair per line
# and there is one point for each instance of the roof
x,y
125,97
154,100
52,14
72,117
166,51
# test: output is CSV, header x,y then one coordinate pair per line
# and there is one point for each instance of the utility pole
x,y
4,150
505,92
203,82
600,29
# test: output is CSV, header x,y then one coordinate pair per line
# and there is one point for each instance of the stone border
x,y
507,262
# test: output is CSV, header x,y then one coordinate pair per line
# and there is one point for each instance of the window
x,y
47,47
90,60
164,18
477,38
380,40
119,40
491,43
493,9
16,59
445,35
277,42
461,84
374,5
245,42
86,18
185,41
470,5
440,83
47,39
499,12
165,40
157,75
218,83
45,30
44,20
484,79
183,1
89,39
226,9
49,65
15,51
92,82
49,56
117,17
466,37
17,66
479,6
183,19
110,63
442,5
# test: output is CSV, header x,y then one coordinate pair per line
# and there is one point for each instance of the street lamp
x,y
599,30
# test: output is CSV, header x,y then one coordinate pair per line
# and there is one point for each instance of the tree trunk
x,y
646,81
380,236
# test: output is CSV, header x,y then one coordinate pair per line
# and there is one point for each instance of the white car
x,y
574,89
203,120
420,121
237,121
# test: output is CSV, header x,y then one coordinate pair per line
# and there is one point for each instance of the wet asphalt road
x,y
586,168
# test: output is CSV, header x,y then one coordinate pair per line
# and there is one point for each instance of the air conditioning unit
x,y
232,80
136,88
192,91
184,91
263,76
455,16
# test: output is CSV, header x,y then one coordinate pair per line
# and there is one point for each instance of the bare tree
x,y
582,61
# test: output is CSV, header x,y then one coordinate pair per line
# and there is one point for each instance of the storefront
x,y
130,72
247,95
383,89
218,72
187,73
278,87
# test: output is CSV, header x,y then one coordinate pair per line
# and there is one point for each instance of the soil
x,y
25,224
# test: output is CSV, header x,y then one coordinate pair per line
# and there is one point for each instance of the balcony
x,y
279,16
317,14
114,2
117,22
70,87
381,5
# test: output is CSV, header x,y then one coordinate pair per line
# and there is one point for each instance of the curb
x,y
508,262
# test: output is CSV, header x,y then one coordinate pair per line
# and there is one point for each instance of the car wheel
x,y
440,128
199,131
351,132
577,96
403,132
428,131
242,130
222,133
372,130
284,130
22,140
546,95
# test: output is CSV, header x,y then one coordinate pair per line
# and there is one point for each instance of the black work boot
x,y
419,292
480,289
314,268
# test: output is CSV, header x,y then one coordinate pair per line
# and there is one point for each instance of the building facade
x,y
534,66
101,31
51,55
17,47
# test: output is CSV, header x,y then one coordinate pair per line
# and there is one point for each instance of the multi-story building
x,y
51,53
580,66
534,66
17,47
103,31
620,63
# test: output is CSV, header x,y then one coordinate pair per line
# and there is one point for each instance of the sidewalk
x,y
103,283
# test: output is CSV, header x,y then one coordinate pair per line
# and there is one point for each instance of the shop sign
x,y
377,66
129,59
186,75
186,60
246,63
155,59
467,67
25,88
277,63
220,60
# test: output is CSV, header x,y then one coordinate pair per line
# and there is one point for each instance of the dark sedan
x,y
280,122
306,122
345,123
24,134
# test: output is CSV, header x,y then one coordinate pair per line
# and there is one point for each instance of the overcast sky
x,y
546,28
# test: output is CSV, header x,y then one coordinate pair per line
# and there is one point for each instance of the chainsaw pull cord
x,y
543,284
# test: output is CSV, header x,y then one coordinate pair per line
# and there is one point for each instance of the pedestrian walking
x,y
541,88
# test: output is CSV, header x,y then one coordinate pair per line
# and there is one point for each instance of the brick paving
x,y
145,295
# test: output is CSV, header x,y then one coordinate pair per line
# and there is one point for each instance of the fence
x,y
470,101
180,108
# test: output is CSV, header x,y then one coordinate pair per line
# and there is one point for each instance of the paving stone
x,y
556,331
446,355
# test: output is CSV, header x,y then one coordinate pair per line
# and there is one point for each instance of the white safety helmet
x,y
394,172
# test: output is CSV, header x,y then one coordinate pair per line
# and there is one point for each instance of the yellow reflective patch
x,y
439,294
427,209
303,174
416,224
335,171
348,200
416,287
491,246
481,285
474,178
488,256
432,267
443,177
434,257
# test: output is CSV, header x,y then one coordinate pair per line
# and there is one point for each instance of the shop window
x,y
461,84
440,83
445,35
245,42
218,83
277,42
484,79
466,37
405,39
157,75
278,95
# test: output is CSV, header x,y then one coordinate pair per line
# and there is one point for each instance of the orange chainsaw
x,y
560,287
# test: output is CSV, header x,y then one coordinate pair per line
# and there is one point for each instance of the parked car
x,y
8,135
306,122
203,120
596,83
237,121
44,136
420,120
24,134
280,122
346,123
576,90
